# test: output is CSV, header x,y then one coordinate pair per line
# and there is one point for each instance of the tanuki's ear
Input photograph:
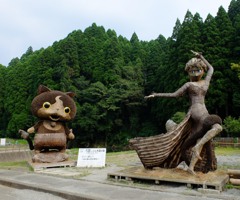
x,y
71,94
42,88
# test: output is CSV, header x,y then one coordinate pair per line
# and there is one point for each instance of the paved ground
x,y
9,193
69,188
81,183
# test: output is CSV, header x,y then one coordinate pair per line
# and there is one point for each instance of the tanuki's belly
x,y
50,140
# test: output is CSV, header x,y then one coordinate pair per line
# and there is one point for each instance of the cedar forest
x,y
110,76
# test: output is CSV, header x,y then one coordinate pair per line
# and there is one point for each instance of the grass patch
x,y
121,159
72,153
84,172
124,158
230,186
227,151
22,165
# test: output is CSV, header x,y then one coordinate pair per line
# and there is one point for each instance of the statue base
x,y
41,166
212,180
50,157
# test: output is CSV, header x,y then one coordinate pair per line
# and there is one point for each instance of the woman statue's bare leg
x,y
196,150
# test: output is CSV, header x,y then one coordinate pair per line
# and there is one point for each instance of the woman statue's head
x,y
195,68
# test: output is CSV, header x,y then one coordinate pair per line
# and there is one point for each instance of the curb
x,y
65,194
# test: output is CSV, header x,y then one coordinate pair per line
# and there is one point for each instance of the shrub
x,y
232,126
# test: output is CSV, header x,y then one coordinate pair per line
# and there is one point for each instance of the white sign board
x,y
3,141
91,157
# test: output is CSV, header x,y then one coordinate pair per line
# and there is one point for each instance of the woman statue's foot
x,y
196,150
191,171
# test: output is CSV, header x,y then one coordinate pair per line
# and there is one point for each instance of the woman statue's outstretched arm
x,y
180,92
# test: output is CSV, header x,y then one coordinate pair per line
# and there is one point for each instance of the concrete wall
x,y
13,156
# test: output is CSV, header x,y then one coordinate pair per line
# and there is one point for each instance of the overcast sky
x,y
39,23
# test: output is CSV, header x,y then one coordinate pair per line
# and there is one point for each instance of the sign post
x,y
91,157
3,142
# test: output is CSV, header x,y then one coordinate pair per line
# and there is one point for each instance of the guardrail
x,y
227,142
13,147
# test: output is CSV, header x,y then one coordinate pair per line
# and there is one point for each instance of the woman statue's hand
x,y
149,96
197,54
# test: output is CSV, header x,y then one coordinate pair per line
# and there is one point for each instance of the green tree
x,y
3,121
110,75
28,53
234,10
232,126
234,15
155,64
222,88
188,37
236,67
16,97
236,95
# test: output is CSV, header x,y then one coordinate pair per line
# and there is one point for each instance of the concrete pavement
x,y
72,189
9,193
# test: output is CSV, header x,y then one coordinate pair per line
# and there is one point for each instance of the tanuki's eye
x,y
67,110
46,105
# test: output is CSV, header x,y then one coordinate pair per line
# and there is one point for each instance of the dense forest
x,y
110,76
